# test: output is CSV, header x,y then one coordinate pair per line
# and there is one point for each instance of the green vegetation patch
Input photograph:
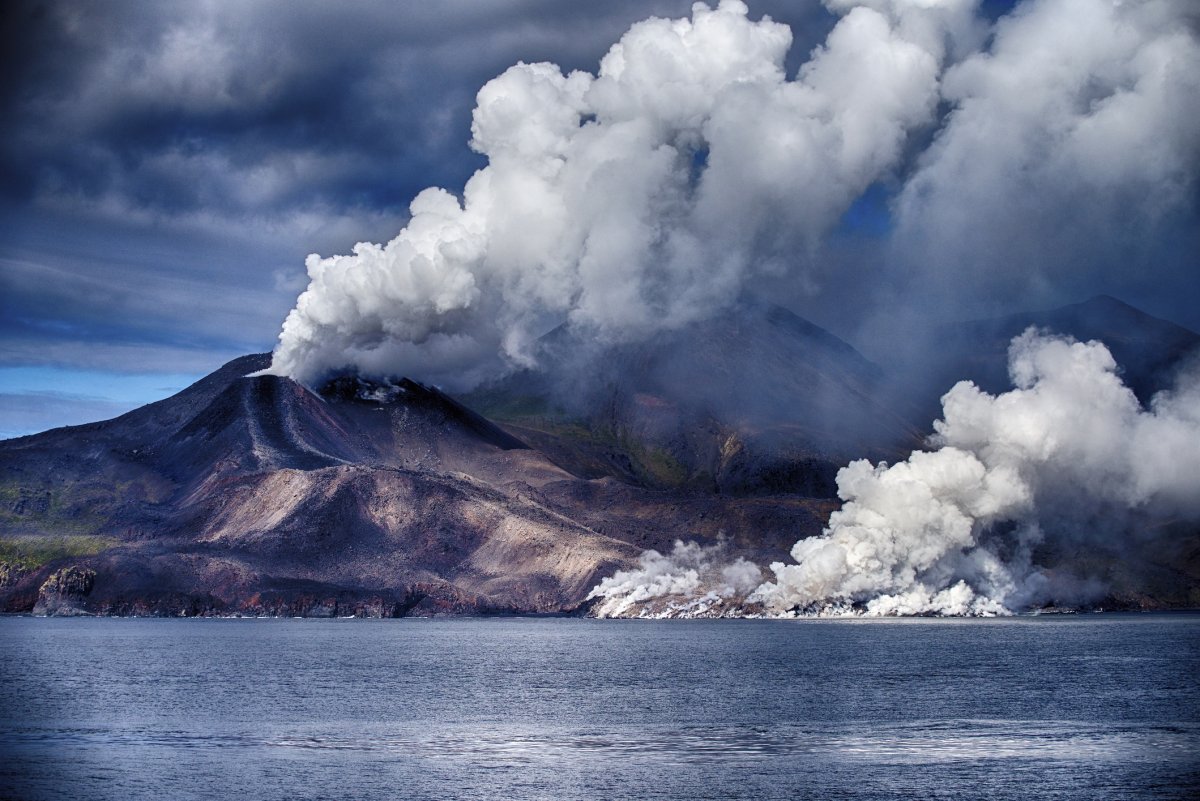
x,y
510,407
33,551
68,508
662,467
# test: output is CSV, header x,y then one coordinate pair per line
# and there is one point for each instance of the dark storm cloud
x,y
265,107
166,167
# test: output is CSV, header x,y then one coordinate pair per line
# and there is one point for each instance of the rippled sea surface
x,y
1074,707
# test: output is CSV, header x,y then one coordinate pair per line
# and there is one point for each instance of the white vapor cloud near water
x,y
638,199
691,581
1068,455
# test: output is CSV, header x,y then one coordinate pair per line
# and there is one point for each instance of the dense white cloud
x,y
1072,141
640,198
690,167
1067,454
224,140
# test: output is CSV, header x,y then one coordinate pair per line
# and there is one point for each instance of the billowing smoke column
x,y
631,201
652,194
1068,455
689,167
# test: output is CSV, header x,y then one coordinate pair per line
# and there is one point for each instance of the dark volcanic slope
x,y
256,494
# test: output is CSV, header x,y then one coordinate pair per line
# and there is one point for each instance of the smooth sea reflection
x,y
1087,707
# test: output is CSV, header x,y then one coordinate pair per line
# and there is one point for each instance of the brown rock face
x,y
10,574
65,592
69,582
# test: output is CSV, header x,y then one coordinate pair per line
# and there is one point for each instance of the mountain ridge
x,y
254,494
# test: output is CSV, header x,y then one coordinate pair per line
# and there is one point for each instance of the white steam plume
x,y
1067,448
638,199
1069,455
1073,141
691,581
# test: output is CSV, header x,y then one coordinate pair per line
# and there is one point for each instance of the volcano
x,y
756,401
255,494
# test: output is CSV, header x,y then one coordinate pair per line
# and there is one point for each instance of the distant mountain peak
x,y
1148,349
1106,300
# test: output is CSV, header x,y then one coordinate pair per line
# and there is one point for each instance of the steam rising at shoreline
x,y
1067,455
691,581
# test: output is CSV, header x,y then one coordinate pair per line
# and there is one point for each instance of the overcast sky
x,y
166,167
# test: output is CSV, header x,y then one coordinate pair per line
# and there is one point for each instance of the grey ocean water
x,y
1087,707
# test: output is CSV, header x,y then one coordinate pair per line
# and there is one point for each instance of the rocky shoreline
x,y
71,591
